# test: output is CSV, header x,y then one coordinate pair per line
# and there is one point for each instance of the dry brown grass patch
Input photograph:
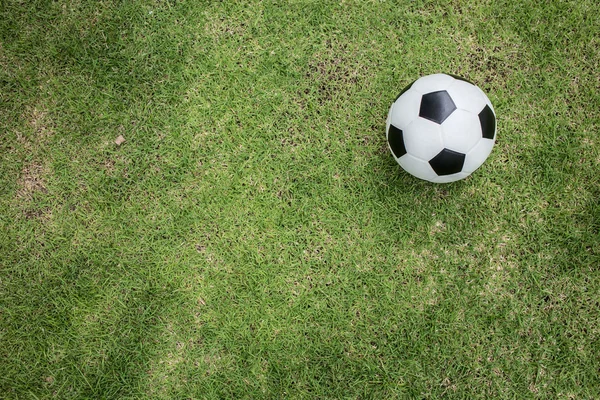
x,y
31,181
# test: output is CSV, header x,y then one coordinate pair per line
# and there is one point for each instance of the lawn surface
x,y
253,237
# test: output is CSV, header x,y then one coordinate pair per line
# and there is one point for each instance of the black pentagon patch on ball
x,y
436,106
488,122
396,141
447,162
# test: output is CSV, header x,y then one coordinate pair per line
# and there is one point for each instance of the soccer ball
x,y
441,128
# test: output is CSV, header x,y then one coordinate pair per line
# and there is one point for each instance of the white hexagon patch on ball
x,y
441,128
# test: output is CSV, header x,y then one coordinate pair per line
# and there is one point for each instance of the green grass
x,y
253,237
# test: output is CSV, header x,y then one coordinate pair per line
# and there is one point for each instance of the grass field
x,y
254,238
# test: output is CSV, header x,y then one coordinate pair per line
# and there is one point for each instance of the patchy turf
x,y
252,237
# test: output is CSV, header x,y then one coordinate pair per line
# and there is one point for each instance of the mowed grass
x,y
254,238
